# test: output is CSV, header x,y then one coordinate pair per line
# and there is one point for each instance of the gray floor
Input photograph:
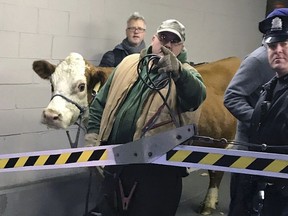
x,y
67,196
194,190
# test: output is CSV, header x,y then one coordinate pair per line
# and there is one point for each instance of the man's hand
x,y
91,139
169,63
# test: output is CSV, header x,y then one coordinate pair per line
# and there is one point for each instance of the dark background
x,y
272,4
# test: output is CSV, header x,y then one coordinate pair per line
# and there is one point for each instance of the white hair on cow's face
x,y
68,80
73,67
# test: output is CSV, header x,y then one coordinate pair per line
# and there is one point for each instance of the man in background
x,y
133,43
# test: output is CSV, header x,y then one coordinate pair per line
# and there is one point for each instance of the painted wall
x,y
51,29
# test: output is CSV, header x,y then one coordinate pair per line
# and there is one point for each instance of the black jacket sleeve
x,y
108,59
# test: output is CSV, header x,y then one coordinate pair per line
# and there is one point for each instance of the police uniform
x,y
258,195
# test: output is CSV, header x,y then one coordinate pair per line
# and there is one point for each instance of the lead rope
x,y
76,141
79,123
82,111
86,210
222,142
150,62
88,193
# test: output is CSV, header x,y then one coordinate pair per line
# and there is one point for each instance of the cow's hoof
x,y
204,210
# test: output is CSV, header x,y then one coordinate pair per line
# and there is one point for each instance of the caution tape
x,y
144,150
228,160
164,148
55,159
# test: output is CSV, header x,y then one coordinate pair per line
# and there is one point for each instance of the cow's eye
x,y
81,87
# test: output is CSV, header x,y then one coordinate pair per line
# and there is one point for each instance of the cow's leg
x,y
211,198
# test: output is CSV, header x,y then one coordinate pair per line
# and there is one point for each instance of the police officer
x,y
269,124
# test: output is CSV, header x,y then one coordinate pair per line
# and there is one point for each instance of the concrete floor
x,y
67,196
194,191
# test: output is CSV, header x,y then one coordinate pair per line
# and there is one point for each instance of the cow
x,y
73,80
215,120
72,83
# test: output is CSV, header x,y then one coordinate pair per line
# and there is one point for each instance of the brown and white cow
x,y
72,82
74,79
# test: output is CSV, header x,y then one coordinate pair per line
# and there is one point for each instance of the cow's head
x,y
72,82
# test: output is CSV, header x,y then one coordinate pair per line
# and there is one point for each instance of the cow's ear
x,y
95,77
43,68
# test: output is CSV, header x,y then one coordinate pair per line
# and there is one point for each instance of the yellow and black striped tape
x,y
259,163
46,159
229,161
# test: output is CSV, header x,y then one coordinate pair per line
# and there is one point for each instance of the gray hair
x,y
136,16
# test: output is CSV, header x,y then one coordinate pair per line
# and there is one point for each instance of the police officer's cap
x,y
275,26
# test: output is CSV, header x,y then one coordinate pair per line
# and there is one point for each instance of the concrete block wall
x,y
51,29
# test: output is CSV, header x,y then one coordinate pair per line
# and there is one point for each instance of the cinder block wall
x,y
51,29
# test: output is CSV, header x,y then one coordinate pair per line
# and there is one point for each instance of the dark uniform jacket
x,y
270,119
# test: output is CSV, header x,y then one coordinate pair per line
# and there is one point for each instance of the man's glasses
x,y
134,29
164,39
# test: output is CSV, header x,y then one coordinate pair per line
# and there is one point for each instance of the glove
x,y
91,139
169,63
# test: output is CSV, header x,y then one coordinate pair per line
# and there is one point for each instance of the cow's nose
x,y
51,115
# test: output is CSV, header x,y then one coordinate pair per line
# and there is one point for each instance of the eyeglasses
x,y
134,29
164,39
